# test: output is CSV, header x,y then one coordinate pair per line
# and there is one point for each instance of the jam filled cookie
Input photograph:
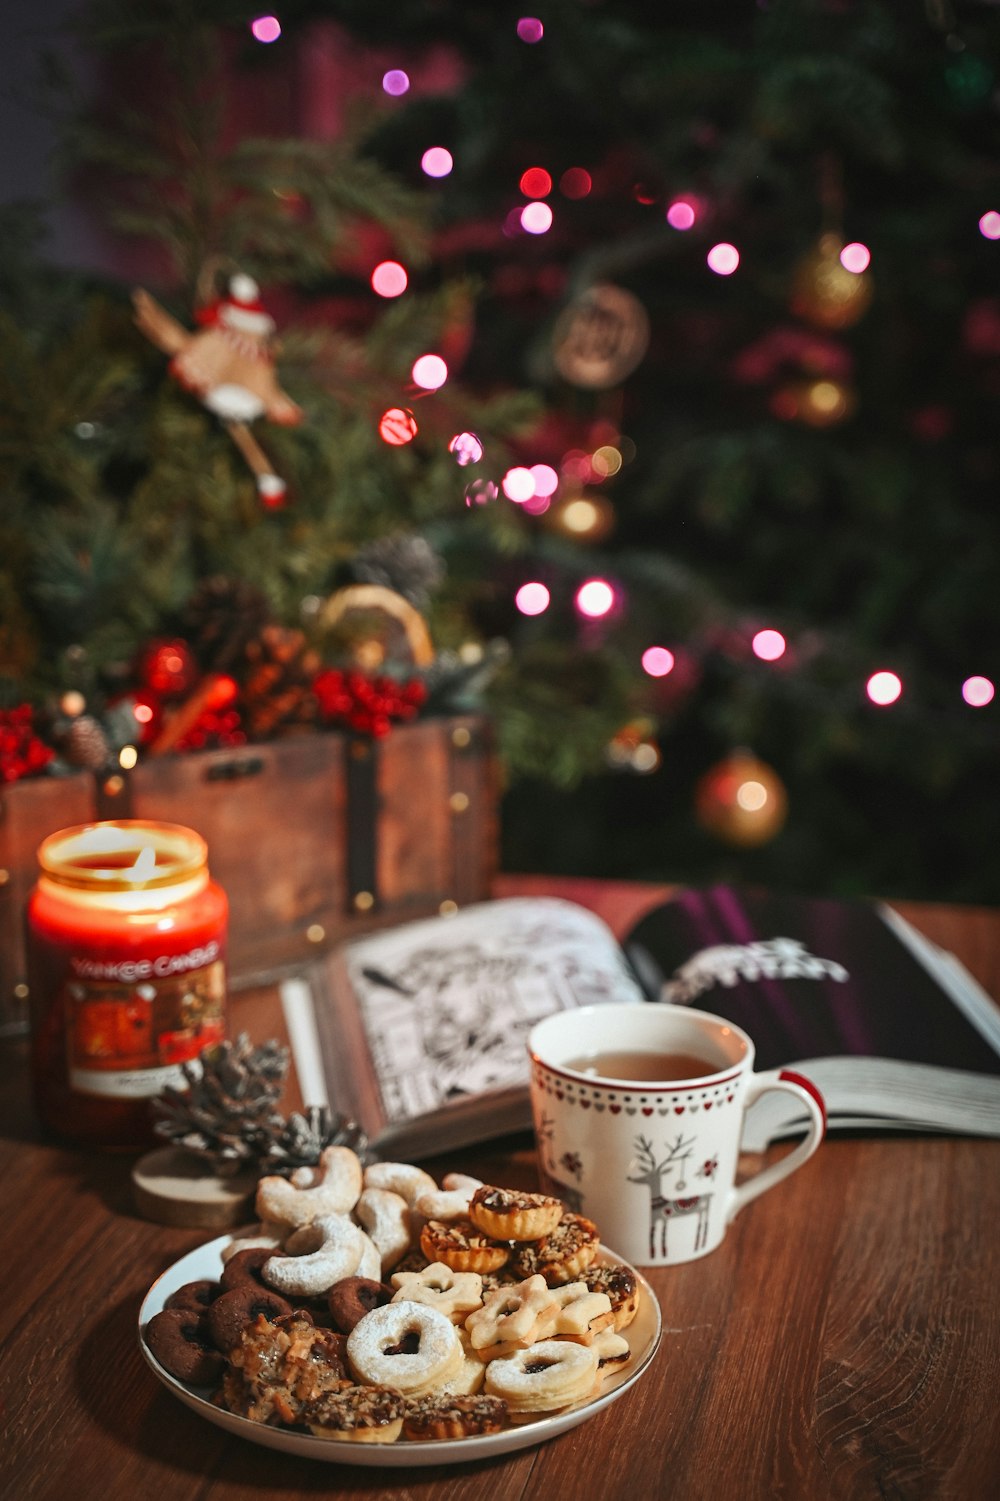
x,y
462,1247
507,1214
544,1377
407,1346
451,1417
562,1256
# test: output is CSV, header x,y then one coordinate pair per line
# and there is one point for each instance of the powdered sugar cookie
x,y
405,1345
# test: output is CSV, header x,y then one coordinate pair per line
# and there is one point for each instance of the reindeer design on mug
x,y
661,1209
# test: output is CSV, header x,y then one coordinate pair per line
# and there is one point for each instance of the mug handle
x,y
805,1091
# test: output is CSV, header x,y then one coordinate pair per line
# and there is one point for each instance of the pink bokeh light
x,y
855,257
265,29
883,688
769,645
536,218
389,279
429,372
681,214
518,484
657,661
466,448
530,30
595,598
545,479
395,82
723,259
532,598
978,692
989,225
437,161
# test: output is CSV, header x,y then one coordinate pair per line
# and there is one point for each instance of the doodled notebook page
x,y
422,1029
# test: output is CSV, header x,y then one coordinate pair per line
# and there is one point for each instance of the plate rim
x,y
402,1452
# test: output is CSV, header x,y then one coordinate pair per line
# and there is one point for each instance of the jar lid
x,y
127,854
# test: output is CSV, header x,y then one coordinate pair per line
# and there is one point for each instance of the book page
x,y
447,1004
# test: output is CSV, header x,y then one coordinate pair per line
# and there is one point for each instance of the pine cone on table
x,y
228,1113
305,1137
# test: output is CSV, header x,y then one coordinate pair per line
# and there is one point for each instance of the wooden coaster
x,y
173,1187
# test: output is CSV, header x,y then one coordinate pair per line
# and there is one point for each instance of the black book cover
x,y
807,978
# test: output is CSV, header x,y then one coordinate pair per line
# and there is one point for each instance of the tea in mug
x,y
652,1067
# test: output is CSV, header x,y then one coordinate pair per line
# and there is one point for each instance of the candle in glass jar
x,y
126,935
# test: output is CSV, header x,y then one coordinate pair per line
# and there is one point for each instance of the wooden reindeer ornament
x,y
227,363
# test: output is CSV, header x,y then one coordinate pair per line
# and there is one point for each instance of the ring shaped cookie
x,y
548,1375
336,1192
405,1345
309,1276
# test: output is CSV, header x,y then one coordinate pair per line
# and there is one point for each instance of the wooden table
x,y
844,1341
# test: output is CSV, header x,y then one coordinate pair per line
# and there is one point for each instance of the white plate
x,y
643,1336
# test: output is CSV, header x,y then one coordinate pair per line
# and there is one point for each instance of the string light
x,y
657,661
530,30
395,82
575,182
532,598
768,645
437,161
518,484
545,479
389,279
536,218
681,214
855,257
989,225
883,688
595,598
465,448
723,259
536,183
978,692
429,372
397,427
265,29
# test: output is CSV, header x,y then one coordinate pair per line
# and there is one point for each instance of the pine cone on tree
x,y
277,686
403,562
228,1112
221,619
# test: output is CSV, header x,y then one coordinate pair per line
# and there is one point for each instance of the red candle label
x,y
131,1023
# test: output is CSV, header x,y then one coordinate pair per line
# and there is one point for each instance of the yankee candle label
x,y
130,1025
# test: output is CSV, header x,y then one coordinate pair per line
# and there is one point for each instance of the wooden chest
x,y
314,838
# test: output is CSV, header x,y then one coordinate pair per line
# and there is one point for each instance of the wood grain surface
x,y
842,1343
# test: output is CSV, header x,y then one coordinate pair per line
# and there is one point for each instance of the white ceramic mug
x,y
652,1161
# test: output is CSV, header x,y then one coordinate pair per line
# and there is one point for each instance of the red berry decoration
x,y
22,753
366,705
168,669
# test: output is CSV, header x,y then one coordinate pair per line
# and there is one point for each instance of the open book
x,y
420,1032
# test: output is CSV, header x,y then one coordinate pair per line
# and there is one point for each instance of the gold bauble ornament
x,y
600,338
824,292
741,800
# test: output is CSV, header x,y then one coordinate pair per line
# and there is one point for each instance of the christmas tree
x,y
715,295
